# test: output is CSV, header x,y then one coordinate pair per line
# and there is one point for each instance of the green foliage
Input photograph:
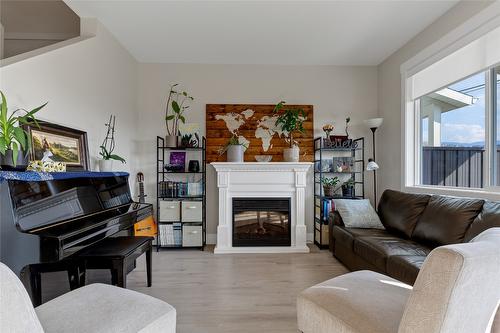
x,y
290,121
12,135
330,181
349,183
108,155
174,111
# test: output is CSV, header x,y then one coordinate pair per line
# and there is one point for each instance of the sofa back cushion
x,y
445,220
489,217
399,212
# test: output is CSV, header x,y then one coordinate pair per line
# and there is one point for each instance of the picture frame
x,y
60,144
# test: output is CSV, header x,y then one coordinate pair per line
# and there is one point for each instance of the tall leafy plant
x,y
290,121
177,104
12,135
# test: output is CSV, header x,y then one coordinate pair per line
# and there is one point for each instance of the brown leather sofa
x,y
414,225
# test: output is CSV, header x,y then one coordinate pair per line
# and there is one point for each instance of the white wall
x,y
84,83
389,143
335,92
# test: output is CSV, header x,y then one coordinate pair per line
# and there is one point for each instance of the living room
x,y
284,166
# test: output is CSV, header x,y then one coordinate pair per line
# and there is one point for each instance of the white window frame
x,y
466,33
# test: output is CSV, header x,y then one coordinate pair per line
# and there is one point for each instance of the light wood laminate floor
x,y
224,293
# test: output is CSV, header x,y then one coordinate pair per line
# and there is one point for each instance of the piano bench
x,y
116,254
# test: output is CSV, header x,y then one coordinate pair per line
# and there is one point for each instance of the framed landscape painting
x,y
60,144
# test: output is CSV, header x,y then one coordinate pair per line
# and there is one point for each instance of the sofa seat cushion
x,y
446,219
103,308
377,249
399,212
346,236
405,267
361,301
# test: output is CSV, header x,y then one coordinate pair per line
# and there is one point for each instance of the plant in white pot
x,y
177,104
15,142
107,147
290,121
235,149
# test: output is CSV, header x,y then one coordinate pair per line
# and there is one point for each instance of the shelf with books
x,y
181,196
346,162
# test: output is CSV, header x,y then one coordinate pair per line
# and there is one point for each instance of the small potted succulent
x,y
174,112
329,185
348,188
15,142
235,149
290,121
107,147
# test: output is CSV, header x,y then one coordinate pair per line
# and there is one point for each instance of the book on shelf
x,y
171,189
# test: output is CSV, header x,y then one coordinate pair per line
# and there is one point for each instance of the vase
x,y
7,162
171,141
105,165
291,154
347,191
329,191
235,153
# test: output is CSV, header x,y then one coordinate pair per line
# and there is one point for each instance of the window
x,y
452,144
497,125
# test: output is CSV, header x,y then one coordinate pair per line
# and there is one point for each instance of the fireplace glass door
x,y
261,222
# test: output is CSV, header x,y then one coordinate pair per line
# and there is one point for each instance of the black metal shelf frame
x,y
161,176
319,174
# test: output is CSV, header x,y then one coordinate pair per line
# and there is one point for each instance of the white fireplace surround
x,y
260,180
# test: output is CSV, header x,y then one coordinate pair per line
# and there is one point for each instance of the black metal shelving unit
x,y
162,176
321,154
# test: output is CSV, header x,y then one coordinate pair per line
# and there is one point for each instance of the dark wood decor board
x,y
253,121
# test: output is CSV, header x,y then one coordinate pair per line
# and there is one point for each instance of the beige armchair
x,y
457,291
93,308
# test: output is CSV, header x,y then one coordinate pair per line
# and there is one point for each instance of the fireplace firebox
x,y
261,222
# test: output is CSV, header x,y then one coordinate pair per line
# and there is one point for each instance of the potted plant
x,y
235,149
107,147
290,121
348,188
15,142
329,185
174,112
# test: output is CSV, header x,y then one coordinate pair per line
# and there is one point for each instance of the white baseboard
x,y
212,238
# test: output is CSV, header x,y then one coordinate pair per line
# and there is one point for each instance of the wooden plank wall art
x,y
254,124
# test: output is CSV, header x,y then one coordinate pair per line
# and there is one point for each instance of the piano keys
x,y
47,218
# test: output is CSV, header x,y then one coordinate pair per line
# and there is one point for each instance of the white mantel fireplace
x,y
252,181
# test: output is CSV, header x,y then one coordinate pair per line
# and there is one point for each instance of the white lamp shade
x,y
372,166
374,122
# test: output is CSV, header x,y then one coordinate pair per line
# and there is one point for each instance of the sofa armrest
x,y
333,219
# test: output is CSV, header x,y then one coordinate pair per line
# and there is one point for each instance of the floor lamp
x,y
373,124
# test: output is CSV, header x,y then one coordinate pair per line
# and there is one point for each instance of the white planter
x,y
171,141
235,153
291,154
105,165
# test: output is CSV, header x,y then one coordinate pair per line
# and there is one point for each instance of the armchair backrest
x,y
17,313
457,289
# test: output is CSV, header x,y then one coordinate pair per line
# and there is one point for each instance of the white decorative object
x,y
263,158
358,214
259,180
372,165
105,165
291,154
235,153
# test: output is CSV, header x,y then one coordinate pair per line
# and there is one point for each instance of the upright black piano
x,y
48,217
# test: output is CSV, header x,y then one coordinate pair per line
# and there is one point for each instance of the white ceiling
x,y
263,32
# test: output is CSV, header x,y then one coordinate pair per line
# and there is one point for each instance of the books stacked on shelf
x,y
171,189
171,234
323,210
